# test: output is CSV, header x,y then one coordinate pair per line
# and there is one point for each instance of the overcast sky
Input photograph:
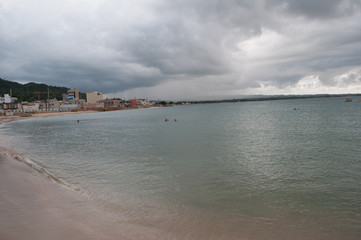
x,y
179,49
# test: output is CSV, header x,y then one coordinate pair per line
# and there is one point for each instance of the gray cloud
x,y
117,46
318,8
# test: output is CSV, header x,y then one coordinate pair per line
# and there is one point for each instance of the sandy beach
x,y
32,207
4,119
35,207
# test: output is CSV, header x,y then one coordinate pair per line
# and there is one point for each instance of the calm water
x,y
251,170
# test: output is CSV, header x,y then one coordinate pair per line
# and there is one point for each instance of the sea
x,y
282,169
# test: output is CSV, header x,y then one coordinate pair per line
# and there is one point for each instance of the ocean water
x,y
288,169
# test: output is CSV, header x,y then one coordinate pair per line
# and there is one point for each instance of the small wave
x,y
19,157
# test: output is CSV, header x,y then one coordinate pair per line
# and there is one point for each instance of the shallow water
x,y
235,170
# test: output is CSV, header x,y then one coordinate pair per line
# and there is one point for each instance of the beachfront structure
x,y
93,97
140,102
133,102
6,106
67,107
72,94
7,99
110,103
8,102
96,105
145,102
31,107
53,104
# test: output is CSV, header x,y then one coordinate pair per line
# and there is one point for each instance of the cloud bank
x,y
184,49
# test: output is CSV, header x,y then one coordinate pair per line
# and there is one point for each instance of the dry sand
x,y
41,115
35,208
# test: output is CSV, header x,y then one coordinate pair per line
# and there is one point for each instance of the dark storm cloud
x,y
318,8
87,75
114,46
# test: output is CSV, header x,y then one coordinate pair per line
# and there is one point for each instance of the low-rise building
x,y
133,102
31,107
145,102
93,97
66,107
53,104
96,105
140,102
110,103
7,99
12,106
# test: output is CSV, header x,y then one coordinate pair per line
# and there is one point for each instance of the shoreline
x,y
36,206
32,207
5,119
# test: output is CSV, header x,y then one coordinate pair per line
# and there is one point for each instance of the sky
x,y
184,49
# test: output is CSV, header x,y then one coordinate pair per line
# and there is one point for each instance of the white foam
x,y
12,154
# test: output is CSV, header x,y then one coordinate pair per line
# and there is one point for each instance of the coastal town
x,y
71,102
95,101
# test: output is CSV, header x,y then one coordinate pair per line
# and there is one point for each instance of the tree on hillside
x,y
28,91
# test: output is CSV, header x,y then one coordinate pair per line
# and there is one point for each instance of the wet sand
x,y
36,207
33,207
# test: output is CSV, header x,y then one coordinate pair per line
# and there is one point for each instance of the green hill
x,y
28,91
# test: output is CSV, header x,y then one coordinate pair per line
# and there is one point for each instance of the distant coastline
x,y
42,114
272,98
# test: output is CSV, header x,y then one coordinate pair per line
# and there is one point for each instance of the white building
x,y
31,107
6,99
144,102
93,97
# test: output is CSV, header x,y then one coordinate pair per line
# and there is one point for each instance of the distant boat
x,y
348,100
